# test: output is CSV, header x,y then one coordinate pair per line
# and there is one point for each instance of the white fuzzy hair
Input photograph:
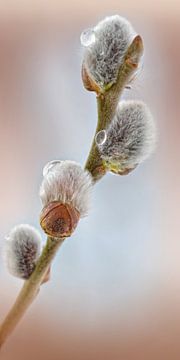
x,y
68,183
103,58
131,136
22,250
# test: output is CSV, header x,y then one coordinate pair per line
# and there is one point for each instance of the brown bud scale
x,y
88,82
124,171
59,220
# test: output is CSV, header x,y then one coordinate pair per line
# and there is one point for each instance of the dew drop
x,y
88,37
101,137
50,166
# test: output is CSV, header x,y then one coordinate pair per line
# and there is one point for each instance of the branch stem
x,y
30,289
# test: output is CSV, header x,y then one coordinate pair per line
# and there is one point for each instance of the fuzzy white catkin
x,y
131,136
22,250
68,183
103,58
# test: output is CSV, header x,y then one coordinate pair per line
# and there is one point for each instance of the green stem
x,y
30,289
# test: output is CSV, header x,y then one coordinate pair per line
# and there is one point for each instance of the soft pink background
x,y
115,287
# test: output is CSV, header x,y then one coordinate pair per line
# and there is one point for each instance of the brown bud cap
x,y
124,171
134,52
59,220
88,82
116,168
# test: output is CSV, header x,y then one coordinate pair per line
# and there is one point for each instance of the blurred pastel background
x,y
115,287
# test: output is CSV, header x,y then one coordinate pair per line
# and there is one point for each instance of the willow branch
x,y
107,104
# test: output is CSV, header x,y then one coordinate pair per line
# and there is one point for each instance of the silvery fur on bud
x,y
104,57
131,136
22,250
67,183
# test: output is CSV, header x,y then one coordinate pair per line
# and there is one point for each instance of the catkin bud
x,y
105,53
65,193
22,250
130,138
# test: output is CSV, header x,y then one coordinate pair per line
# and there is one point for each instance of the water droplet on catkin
x,y
88,37
50,166
101,137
